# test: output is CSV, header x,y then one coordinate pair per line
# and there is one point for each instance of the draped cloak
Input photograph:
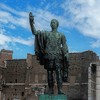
x,y
40,46
40,51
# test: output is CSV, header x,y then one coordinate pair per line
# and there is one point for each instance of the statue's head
x,y
54,24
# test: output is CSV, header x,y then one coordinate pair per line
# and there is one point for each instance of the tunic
x,y
50,47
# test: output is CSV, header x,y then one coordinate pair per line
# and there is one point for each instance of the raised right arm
x,y
31,21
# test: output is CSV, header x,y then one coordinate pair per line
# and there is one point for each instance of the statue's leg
x,y
65,72
59,77
50,81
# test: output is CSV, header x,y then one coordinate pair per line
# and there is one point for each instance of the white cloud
x,y
19,18
13,11
85,16
43,17
12,26
81,14
6,40
13,17
28,42
96,44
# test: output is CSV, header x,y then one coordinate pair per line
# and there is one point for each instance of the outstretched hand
x,y
31,18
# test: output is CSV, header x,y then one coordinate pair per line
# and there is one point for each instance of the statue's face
x,y
54,24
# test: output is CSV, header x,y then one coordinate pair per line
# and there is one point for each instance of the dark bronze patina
x,y
52,52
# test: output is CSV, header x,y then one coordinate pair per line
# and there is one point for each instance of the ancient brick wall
x,y
27,74
77,86
5,55
37,72
78,70
15,76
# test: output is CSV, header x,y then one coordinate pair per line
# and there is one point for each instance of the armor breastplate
x,y
53,45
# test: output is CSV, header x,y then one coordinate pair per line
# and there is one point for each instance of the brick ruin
x,y
22,79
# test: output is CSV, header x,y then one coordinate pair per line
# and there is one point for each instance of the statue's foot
x,y
60,92
51,91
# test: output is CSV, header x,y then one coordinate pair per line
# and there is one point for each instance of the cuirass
x,y
53,44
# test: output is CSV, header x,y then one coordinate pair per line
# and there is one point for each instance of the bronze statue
x,y
52,52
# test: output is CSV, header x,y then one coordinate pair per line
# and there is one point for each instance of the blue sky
x,y
79,21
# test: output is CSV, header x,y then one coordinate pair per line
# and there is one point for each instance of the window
x,y
15,80
22,94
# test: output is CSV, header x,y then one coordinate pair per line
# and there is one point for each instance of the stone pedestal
x,y
52,97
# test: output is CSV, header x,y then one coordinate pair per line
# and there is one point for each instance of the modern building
x,y
25,79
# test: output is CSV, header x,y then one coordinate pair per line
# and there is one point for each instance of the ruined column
x,y
89,84
0,96
98,81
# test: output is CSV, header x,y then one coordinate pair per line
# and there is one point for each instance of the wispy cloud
x,y
13,17
81,14
96,44
43,16
27,42
10,17
6,40
85,16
